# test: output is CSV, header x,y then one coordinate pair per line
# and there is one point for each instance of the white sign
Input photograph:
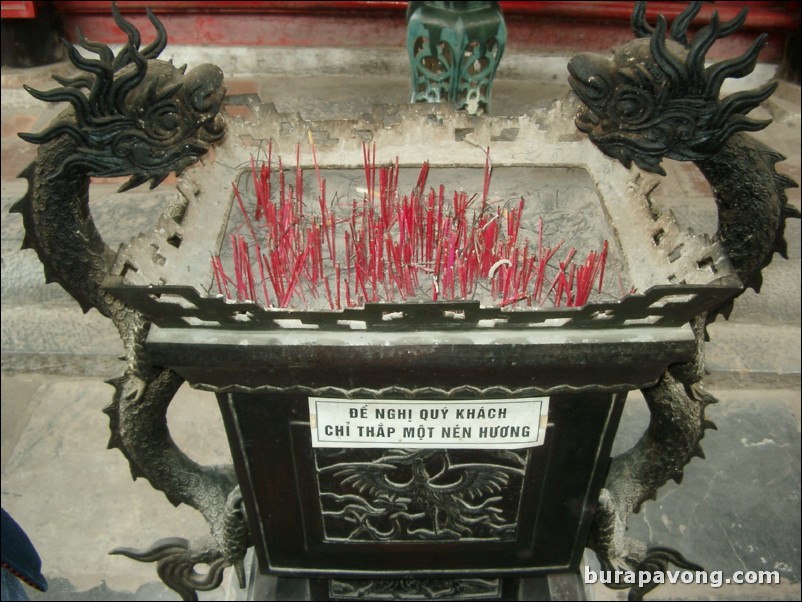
x,y
468,424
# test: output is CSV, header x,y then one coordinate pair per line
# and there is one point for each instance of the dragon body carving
x,y
656,99
132,115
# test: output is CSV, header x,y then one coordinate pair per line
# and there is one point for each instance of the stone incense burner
x,y
411,444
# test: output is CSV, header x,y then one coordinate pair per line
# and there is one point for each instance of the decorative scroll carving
x,y
394,392
414,589
413,495
660,306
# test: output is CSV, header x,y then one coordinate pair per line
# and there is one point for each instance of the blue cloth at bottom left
x,y
20,561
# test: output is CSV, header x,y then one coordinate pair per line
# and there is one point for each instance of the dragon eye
x,y
163,121
632,105
628,108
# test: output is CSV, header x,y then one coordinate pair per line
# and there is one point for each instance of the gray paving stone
x,y
76,499
743,350
737,509
60,340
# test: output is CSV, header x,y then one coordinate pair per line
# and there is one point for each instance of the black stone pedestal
x,y
556,587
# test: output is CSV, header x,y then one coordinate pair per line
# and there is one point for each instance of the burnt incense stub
x,y
501,230
336,239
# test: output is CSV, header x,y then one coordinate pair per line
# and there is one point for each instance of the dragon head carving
x,y
656,98
139,116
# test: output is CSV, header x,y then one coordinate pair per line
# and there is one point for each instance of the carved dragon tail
x,y
656,98
138,422
132,115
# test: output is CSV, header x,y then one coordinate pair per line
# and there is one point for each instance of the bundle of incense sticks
x,y
425,245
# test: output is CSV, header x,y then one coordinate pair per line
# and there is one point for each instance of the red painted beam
x,y
762,15
765,15
17,10
346,31
233,6
557,26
